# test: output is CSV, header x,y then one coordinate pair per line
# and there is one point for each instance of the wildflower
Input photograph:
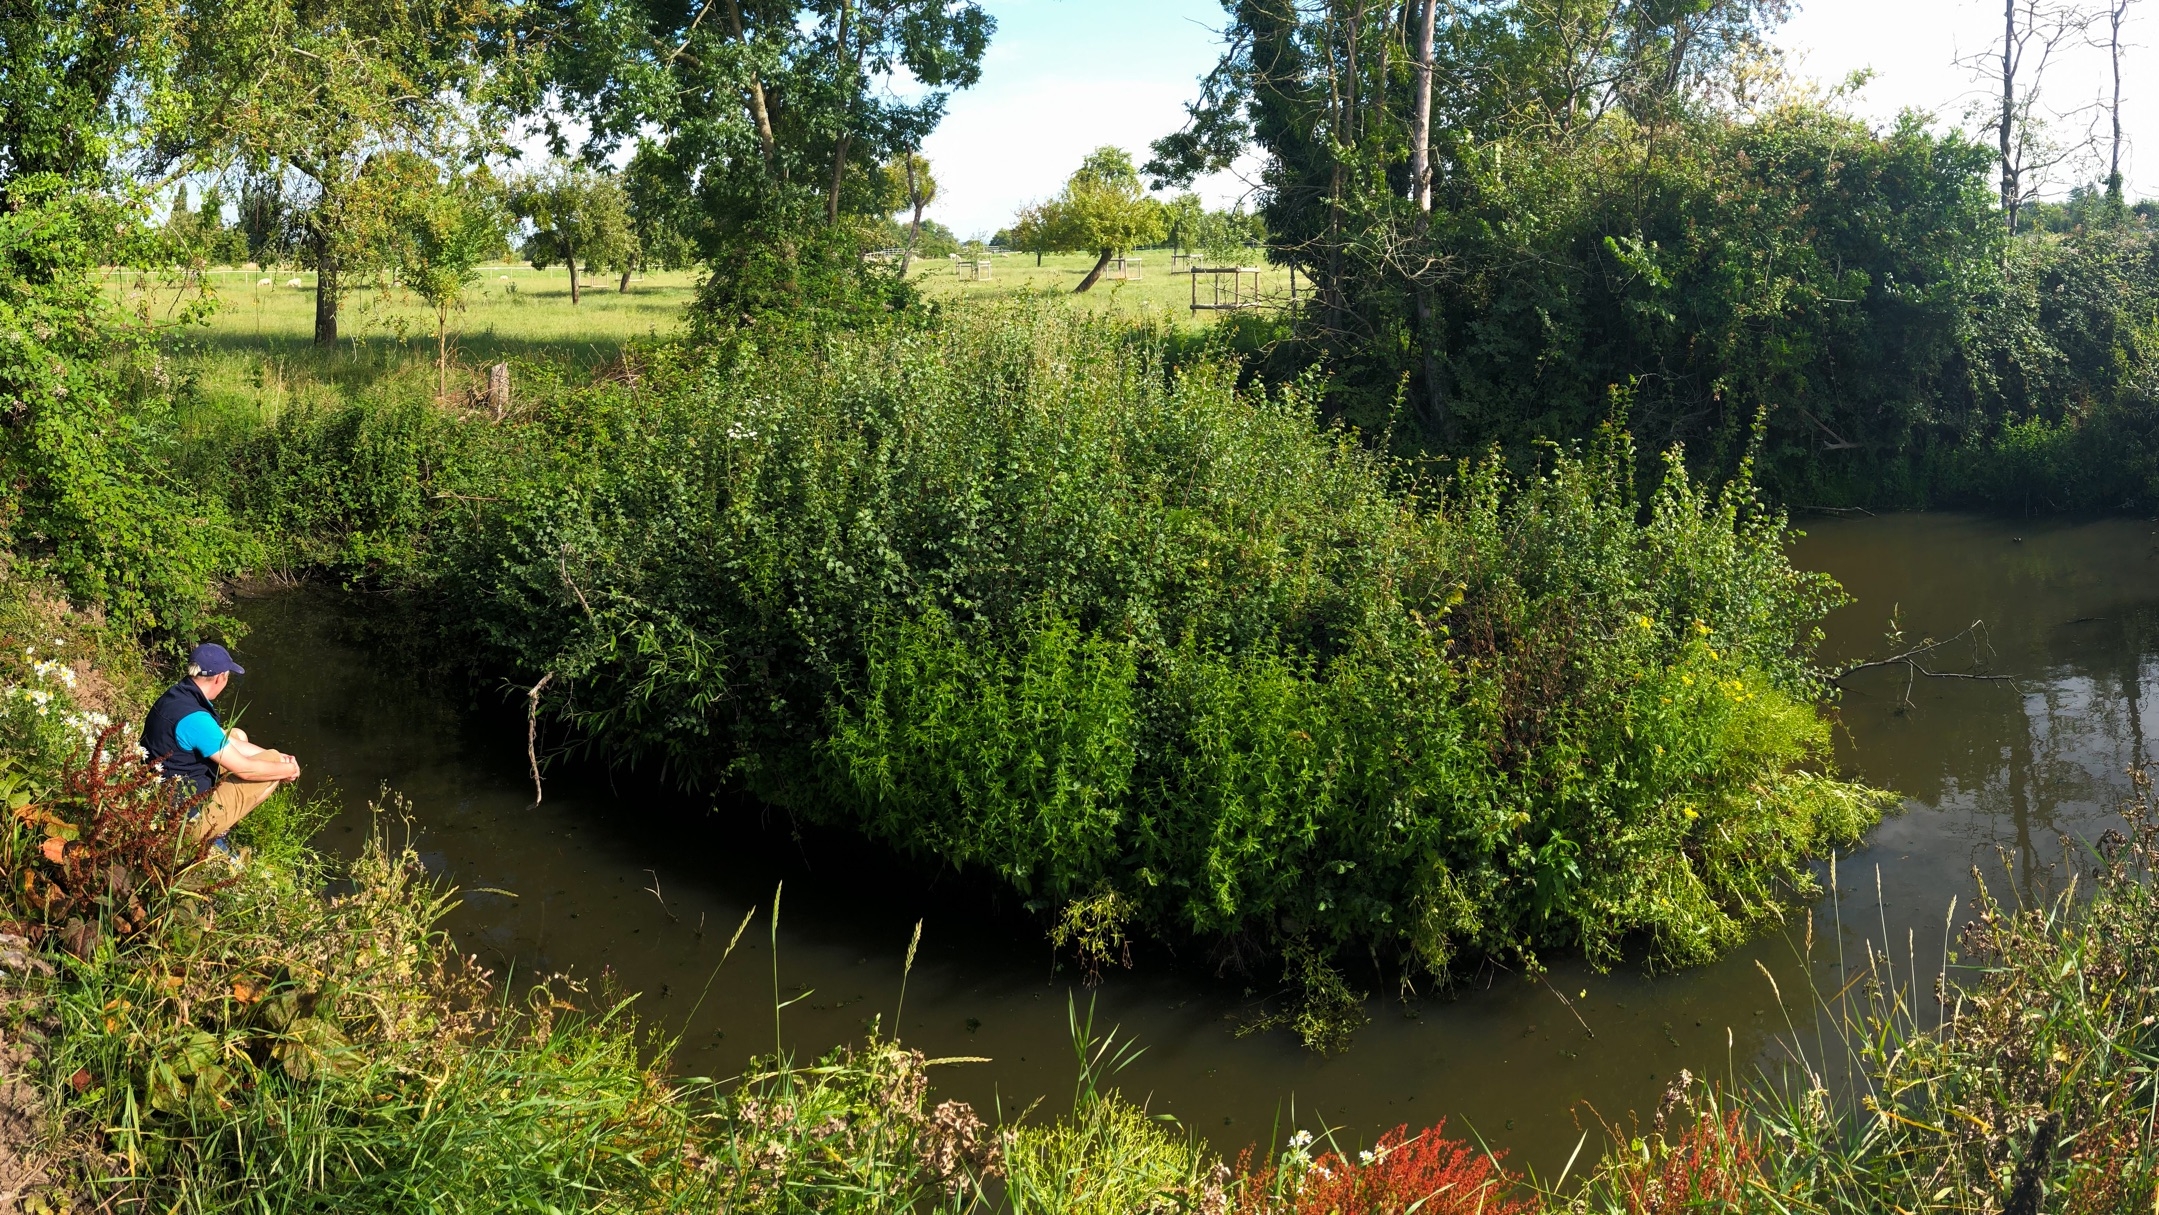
x,y
1365,1157
1701,629
1645,622
1690,812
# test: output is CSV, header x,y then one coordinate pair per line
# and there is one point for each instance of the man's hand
x,y
249,762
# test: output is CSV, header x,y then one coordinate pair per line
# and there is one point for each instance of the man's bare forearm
x,y
263,764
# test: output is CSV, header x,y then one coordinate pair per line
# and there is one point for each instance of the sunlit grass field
x,y
1156,287
514,311
266,318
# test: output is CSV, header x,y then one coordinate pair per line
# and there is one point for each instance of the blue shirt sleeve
x,y
200,733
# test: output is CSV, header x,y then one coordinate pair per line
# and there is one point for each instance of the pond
x,y
615,877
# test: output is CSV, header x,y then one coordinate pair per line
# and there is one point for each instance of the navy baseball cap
x,y
210,658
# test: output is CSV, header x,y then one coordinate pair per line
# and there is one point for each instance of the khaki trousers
x,y
230,802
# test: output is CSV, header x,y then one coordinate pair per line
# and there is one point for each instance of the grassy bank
x,y
1006,589
292,1037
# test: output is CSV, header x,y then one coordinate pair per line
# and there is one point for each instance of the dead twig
x,y
532,734
1913,668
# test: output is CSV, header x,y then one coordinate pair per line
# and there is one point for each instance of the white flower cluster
x,y
49,678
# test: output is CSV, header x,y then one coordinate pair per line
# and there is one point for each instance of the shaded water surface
x,y
630,879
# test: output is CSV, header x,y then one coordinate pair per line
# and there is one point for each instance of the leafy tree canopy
x,y
1104,209
318,88
773,119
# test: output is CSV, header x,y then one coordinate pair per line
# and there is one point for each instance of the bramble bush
x,y
86,427
1010,591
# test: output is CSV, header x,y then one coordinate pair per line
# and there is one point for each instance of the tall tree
x,y
1420,111
776,117
314,88
2033,33
2117,11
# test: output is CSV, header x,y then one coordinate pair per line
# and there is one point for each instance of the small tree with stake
x,y
447,232
580,218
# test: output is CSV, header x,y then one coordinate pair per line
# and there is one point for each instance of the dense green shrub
x,y
1007,592
86,433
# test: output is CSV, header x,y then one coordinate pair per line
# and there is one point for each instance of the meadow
x,y
1154,287
513,312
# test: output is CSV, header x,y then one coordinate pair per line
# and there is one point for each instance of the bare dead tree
x,y
1420,116
2033,33
2117,12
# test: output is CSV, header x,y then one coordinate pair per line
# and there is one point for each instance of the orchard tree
x,y
657,223
579,217
1031,228
316,89
1184,215
1104,210
908,177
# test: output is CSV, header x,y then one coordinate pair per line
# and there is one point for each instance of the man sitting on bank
x,y
185,737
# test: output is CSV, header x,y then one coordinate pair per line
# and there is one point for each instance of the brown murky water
x,y
625,878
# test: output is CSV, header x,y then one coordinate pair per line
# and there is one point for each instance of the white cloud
x,y
992,158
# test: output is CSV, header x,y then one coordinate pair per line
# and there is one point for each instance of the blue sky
x,y
1065,76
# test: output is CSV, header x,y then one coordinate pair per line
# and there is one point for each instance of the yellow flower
x,y
1687,680
1690,812
1701,628
1645,622
1714,654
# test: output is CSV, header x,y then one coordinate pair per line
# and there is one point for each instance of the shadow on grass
x,y
474,351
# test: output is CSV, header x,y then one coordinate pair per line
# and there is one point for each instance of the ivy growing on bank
x,y
1007,590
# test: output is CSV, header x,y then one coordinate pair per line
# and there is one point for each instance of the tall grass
x,y
2016,1072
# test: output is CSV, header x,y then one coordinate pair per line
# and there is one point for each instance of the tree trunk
x,y
1095,273
763,117
839,175
442,351
914,228
839,148
1420,118
573,280
625,288
2010,191
325,293
2115,11
1038,259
